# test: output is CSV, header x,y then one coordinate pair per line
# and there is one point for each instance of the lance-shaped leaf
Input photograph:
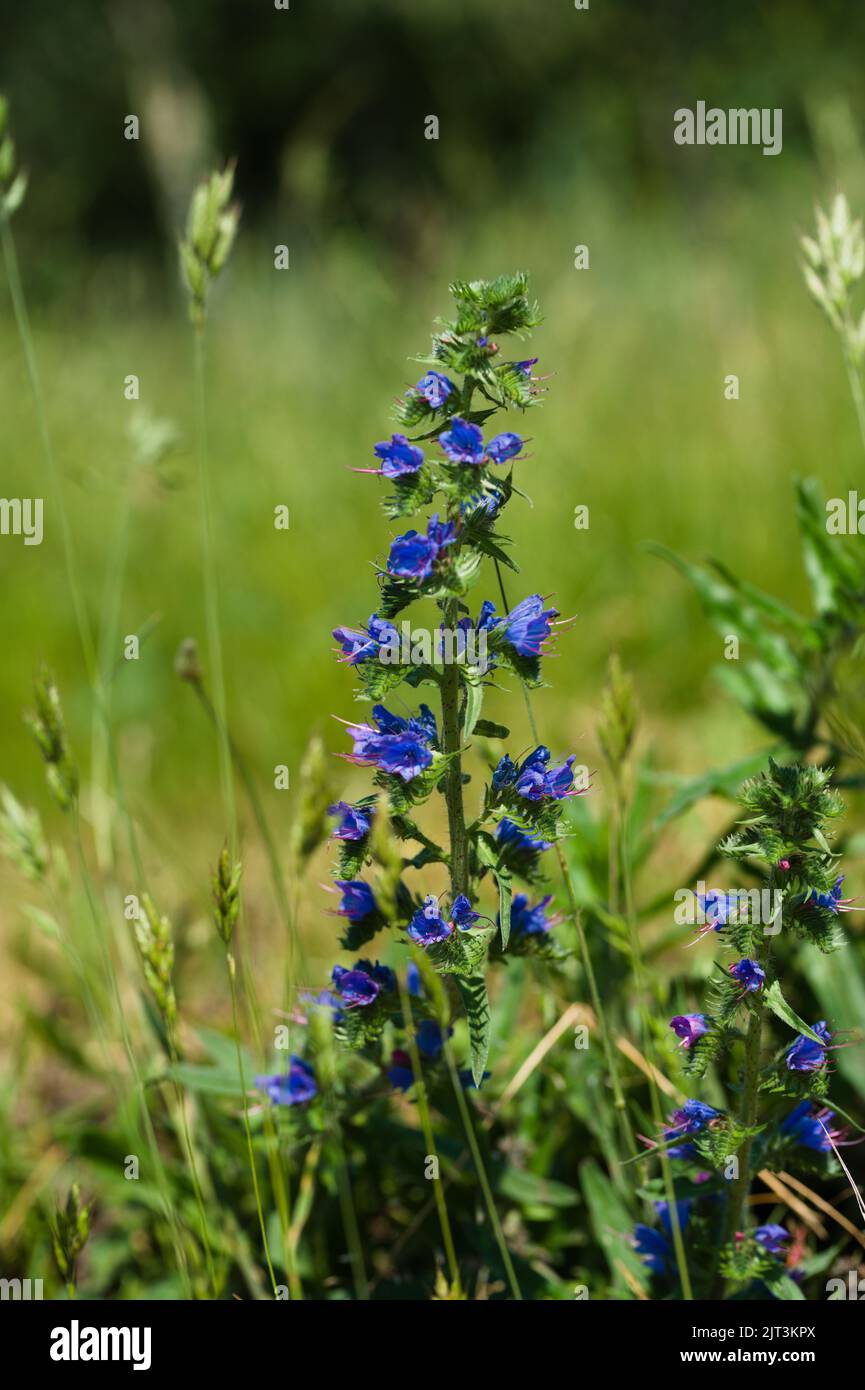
x,y
473,990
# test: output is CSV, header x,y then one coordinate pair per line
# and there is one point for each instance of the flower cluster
x,y
777,1117
444,462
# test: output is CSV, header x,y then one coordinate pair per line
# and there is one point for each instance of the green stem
x,y
429,1137
619,1104
22,319
232,984
451,743
480,1169
627,879
211,598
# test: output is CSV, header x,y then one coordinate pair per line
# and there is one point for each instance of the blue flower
x,y
536,782
355,821
504,773
413,980
749,974
435,389
399,458
360,645
413,555
656,1246
807,1055
527,627
519,849
394,745
505,446
399,1073
525,367
358,900
428,926
692,1117
462,913
772,1238
804,1126
652,1246
689,1027
382,974
530,921
360,986
293,1088
719,908
463,442
430,1039
831,901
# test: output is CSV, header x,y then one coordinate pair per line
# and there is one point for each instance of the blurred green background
x,y
555,130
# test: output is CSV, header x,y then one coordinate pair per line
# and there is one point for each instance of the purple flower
x,y
382,974
413,555
527,627
831,901
293,1088
505,446
689,1027
656,1246
413,980
357,899
393,744
356,989
462,913
504,773
355,821
399,458
806,1054
811,1127
719,908
525,367
531,921
653,1246
693,1116
428,926
749,974
536,782
363,644
363,984
772,1238
463,442
435,389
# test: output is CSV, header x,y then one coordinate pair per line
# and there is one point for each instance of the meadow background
x,y
555,130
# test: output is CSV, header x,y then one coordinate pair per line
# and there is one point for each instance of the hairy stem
x,y
451,743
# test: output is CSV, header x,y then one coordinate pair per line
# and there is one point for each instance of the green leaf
x,y
774,999
473,990
612,1224
474,702
530,1189
782,1286
506,892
